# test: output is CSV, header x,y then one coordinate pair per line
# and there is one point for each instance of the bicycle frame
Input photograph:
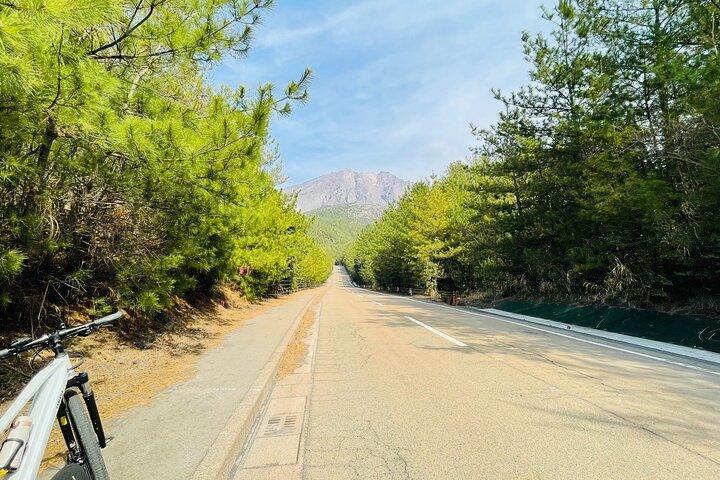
x,y
45,390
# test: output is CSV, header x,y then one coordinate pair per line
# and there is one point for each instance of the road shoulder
x,y
275,447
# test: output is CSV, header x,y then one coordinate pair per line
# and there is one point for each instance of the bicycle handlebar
x,y
108,319
48,339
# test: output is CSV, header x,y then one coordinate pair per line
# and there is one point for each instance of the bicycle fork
x,y
80,381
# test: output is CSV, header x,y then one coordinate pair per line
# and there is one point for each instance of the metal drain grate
x,y
282,424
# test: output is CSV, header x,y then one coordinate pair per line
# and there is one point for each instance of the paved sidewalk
x,y
168,438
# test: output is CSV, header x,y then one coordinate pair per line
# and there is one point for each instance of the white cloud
x,y
397,83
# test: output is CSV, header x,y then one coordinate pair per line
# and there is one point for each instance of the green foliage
x,y
11,262
416,241
123,174
600,179
336,228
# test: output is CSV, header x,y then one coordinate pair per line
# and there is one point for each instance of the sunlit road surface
x,y
406,389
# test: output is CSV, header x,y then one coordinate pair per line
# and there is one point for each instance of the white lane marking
x,y
377,303
639,354
438,332
631,352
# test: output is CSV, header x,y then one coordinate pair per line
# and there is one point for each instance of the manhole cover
x,y
282,424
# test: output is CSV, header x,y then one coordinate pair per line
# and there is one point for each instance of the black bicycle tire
x,y
86,438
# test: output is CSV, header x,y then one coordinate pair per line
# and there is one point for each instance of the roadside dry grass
x,y
297,349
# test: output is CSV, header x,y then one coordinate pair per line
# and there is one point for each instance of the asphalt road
x,y
407,389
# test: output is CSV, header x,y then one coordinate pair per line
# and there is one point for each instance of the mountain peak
x,y
348,187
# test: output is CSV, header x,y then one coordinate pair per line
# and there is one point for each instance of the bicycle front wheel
x,y
87,440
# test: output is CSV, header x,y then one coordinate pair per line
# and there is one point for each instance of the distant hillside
x,y
344,202
336,228
349,188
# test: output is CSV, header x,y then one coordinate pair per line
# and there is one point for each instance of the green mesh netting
x,y
687,330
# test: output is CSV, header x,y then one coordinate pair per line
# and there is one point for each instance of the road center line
x,y
377,303
438,332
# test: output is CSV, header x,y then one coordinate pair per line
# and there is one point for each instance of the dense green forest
x,y
335,228
600,180
126,179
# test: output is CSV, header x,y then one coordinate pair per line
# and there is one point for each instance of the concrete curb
x,y
694,353
221,455
280,456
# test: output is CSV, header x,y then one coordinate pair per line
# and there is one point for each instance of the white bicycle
x,y
56,391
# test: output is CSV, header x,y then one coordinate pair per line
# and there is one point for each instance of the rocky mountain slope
x,y
348,187
343,203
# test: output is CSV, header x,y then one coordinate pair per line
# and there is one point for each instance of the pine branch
x,y
59,71
131,29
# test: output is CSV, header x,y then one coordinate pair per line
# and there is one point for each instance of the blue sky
x,y
396,82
